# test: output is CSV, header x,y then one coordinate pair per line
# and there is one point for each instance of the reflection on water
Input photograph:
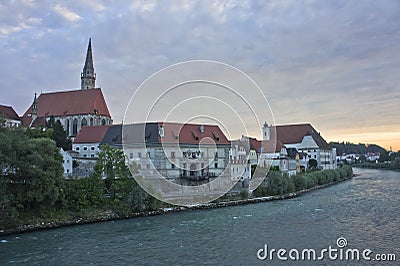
x,y
364,210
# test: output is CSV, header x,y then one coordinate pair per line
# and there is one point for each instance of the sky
x,y
334,63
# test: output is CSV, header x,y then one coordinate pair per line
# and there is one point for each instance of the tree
x,y
111,165
59,135
31,169
313,164
383,157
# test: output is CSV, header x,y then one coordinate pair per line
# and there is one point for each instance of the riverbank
x,y
379,166
112,216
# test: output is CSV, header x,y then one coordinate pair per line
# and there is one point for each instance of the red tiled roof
x,y
255,144
190,133
91,134
270,146
290,134
8,112
65,103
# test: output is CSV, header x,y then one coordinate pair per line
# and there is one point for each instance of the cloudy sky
x,y
333,63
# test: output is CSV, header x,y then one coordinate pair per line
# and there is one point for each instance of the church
x,y
74,109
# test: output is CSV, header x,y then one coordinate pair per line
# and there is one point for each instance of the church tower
x,y
266,131
88,77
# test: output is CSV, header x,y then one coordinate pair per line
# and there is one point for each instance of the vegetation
x,y
347,148
33,189
387,160
277,183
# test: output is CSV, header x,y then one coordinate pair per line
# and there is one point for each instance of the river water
x,y
364,210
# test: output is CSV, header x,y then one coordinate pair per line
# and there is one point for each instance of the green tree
x,y
313,164
31,170
383,157
59,135
111,165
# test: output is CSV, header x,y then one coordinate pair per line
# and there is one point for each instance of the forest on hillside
x,y
361,148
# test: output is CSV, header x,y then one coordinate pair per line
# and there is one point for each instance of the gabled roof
x,y
291,134
271,146
173,133
9,112
91,134
113,136
255,144
66,103
191,133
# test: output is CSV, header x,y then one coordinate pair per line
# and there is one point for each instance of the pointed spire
x,y
34,106
88,77
89,57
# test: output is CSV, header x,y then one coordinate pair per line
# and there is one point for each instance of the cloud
x,y
66,13
332,63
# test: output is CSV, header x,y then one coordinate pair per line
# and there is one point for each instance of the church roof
x,y
8,112
91,134
67,103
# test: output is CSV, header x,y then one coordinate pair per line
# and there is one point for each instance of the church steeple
x,y
88,77
34,106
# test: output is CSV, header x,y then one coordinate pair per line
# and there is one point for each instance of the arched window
x,y
75,127
91,121
103,122
83,122
67,126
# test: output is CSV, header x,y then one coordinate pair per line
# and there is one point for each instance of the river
x,y
364,210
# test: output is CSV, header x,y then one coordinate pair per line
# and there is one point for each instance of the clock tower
x,y
88,77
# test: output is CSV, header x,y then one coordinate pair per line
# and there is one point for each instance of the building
x,y
304,138
67,162
11,117
175,150
87,141
74,109
239,159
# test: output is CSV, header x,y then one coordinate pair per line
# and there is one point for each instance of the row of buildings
x,y
177,151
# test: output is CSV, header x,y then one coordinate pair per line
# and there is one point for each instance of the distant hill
x,y
361,148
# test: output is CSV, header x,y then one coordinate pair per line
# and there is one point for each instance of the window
x,y
63,161
215,165
139,154
131,155
314,150
172,166
92,155
148,166
67,161
148,154
75,127
77,148
92,148
315,156
84,155
83,122
172,154
85,148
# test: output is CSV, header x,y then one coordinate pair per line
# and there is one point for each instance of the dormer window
x,y
161,131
